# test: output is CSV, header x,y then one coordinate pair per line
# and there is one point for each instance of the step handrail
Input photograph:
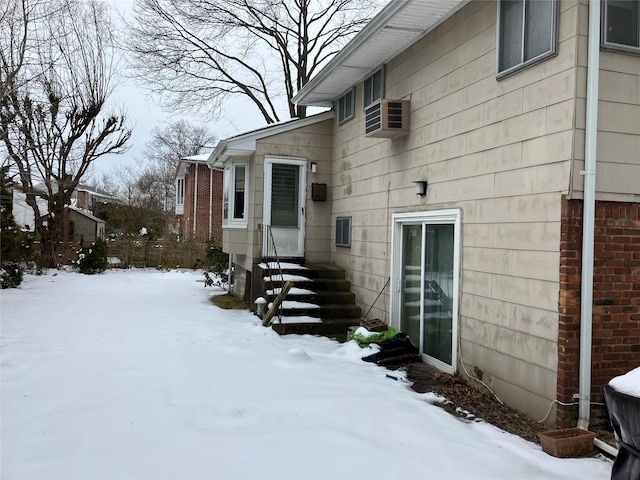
x,y
268,254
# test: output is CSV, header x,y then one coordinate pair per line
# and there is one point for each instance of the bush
x,y
11,275
216,263
93,259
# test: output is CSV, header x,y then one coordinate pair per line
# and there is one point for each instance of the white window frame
x,y
450,216
346,106
228,200
369,96
179,198
180,191
606,44
525,63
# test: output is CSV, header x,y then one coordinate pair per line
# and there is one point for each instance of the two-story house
x,y
198,203
482,169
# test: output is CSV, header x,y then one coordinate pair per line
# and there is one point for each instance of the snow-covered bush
x,y
10,275
93,259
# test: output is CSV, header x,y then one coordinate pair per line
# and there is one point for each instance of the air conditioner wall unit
x,y
387,118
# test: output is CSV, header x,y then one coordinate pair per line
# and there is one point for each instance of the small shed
x,y
85,227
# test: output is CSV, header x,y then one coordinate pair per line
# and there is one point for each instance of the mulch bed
x,y
473,404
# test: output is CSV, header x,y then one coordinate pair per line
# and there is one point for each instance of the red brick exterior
x,y
206,197
616,302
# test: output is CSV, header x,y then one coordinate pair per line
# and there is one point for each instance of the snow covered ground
x,y
137,375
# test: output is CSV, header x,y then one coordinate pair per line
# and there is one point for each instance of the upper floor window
x,y
527,33
180,191
345,107
621,25
234,196
374,88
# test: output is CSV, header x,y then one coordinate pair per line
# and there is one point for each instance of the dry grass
x,y
229,301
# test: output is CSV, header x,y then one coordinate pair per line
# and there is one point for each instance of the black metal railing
x,y
272,261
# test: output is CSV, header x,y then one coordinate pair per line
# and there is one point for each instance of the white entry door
x,y
285,184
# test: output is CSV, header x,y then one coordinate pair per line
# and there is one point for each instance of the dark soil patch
x,y
474,404
229,302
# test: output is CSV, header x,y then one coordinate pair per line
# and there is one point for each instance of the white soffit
x,y
399,25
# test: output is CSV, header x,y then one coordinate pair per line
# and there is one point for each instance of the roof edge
x,y
362,36
253,135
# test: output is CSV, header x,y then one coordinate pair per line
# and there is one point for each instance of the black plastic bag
x,y
397,348
624,414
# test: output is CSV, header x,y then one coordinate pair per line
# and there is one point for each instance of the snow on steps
x,y
320,302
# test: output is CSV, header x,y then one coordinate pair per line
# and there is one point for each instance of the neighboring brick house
x,y
471,140
198,200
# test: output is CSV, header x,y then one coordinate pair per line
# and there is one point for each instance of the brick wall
x,y
616,302
207,203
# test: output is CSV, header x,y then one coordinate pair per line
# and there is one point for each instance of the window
x,y
234,195
373,88
180,191
343,231
179,206
345,107
527,33
621,25
285,195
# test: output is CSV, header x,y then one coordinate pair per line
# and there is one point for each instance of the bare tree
x,y
149,184
194,55
14,18
165,149
54,121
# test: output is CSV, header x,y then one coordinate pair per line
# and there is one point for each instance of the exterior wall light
x,y
314,167
421,187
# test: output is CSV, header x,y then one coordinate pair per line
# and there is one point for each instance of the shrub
x,y
16,246
93,259
216,262
11,275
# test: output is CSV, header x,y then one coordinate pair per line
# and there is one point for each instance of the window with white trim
x,y
373,88
180,191
346,107
234,195
621,25
527,33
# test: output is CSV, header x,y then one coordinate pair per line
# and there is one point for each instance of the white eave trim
x,y
319,91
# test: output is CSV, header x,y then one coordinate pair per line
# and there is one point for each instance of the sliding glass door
x,y
425,271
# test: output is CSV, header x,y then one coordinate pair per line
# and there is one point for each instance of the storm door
x,y
284,201
425,279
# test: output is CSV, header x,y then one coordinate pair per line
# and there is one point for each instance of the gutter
x,y
588,217
195,199
210,201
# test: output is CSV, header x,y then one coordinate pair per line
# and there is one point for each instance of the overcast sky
x,y
144,114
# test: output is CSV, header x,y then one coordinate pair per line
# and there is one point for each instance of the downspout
x,y
588,216
210,202
195,198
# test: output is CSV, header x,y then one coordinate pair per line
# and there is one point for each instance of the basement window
x,y
343,232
